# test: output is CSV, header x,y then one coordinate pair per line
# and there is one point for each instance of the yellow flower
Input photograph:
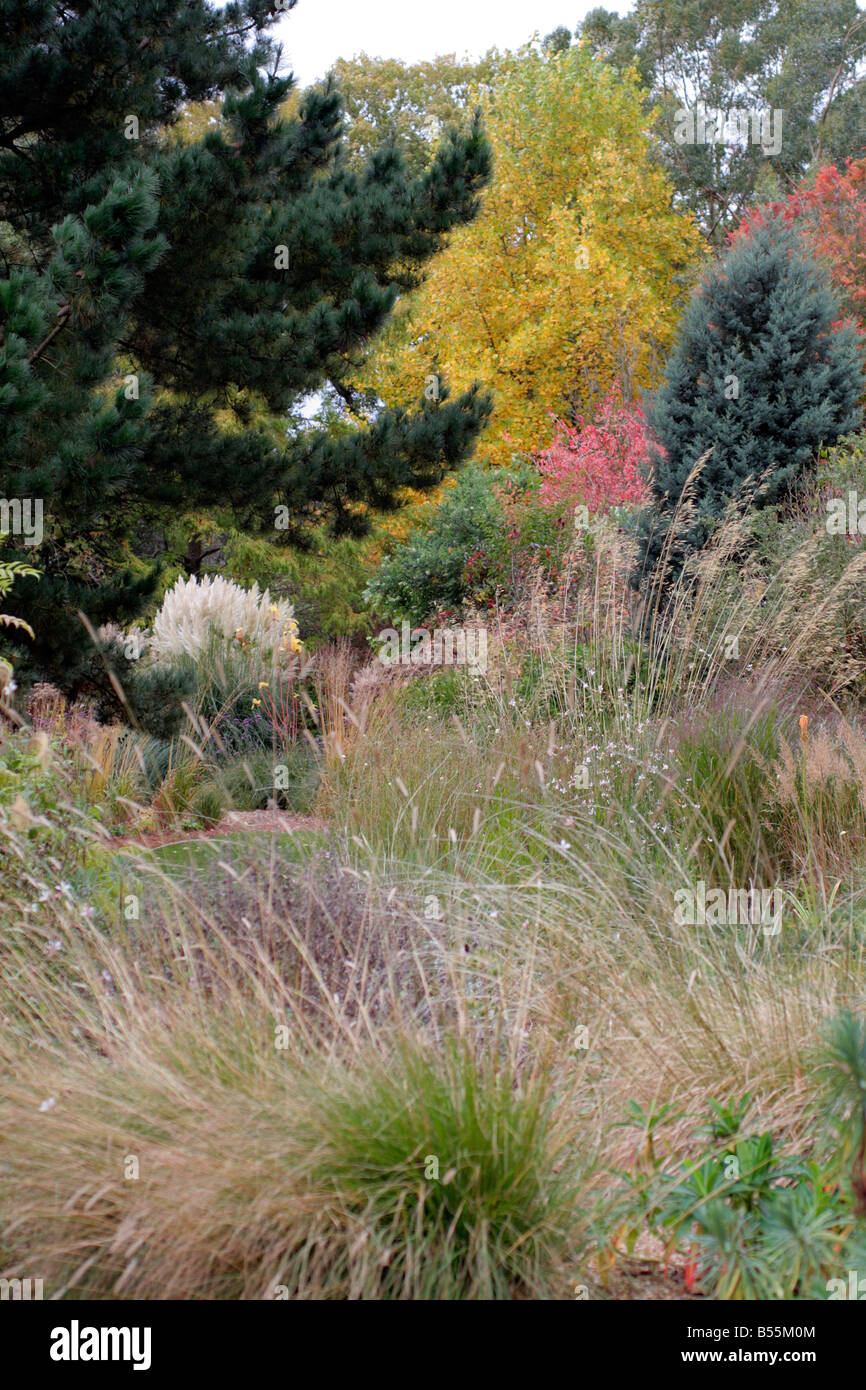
x,y
256,702
263,685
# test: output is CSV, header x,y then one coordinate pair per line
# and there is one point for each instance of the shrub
x,y
597,463
153,697
485,535
428,573
123,688
179,787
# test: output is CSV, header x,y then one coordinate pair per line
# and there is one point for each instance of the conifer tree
x,y
760,377
161,301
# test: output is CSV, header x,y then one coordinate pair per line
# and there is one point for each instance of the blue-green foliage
x,y
758,380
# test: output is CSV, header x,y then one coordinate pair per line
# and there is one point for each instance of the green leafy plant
x,y
756,1223
10,570
460,556
488,535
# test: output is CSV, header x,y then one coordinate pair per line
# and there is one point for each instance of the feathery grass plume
x,y
194,610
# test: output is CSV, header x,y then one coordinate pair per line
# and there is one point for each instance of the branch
x,y
345,392
63,316
836,76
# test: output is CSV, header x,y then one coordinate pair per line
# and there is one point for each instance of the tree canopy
x,y
159,297
573,275
804,58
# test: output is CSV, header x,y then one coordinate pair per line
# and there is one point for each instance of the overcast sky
x,y
317,32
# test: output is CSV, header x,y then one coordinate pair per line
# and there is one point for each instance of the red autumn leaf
x,y
597,463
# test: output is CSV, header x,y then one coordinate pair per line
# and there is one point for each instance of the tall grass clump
x,y
238,1090
452,1167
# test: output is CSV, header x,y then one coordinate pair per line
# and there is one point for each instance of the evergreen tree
x,y
758,380
161,302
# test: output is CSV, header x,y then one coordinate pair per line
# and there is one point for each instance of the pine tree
x,y
161,301
758,380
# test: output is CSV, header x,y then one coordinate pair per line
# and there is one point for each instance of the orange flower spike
x,y
804,727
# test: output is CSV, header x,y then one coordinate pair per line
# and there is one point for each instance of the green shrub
x,y
150,698
484,537
427,574
178,790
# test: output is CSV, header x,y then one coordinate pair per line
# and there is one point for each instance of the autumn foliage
x,y
831,215
573,276
598,462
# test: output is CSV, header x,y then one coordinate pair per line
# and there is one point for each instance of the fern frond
x,y
9,620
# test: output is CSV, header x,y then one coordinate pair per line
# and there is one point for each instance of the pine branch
x,y
64,314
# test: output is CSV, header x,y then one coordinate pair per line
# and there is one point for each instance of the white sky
x,y
317,32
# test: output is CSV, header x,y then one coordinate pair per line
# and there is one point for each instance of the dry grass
x,y
481,966
337,723
223,1047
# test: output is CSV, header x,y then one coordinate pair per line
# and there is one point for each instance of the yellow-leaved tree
x,y
573,276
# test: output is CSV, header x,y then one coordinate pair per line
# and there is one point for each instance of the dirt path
x,y
275,822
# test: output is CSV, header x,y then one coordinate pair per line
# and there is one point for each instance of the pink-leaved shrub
x,y
597,463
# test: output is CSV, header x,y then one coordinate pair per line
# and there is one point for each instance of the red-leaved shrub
x,y
597,463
